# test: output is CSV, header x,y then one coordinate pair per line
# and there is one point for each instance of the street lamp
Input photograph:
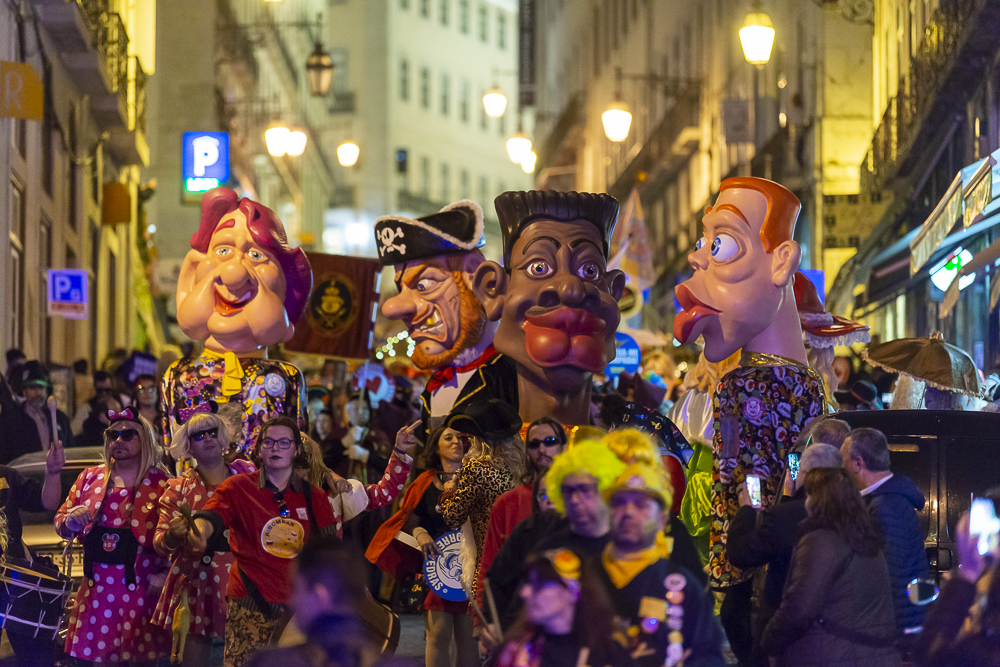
x,y
617,120
276,139
757,36
518,146
295,144
528,163
319,71
347,154
495,102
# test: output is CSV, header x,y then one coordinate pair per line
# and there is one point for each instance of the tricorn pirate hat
x,y
820,328
456,228
516,210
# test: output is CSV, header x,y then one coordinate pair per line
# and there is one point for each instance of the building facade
x,y
934,139
416,72
72,185
701,113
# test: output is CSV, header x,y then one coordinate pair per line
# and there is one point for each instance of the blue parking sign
x,y
205,160
68,293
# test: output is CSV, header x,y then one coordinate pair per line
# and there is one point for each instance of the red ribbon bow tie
x,y
443,376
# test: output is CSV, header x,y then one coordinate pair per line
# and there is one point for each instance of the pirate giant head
x,y
741,293
241,287
556,301
435,257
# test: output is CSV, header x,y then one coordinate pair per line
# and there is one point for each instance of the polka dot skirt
x,y
109,622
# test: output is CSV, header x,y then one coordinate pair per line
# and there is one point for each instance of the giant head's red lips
x,y
228,306
693,311
566,336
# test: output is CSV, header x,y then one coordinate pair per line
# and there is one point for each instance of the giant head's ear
x,y
784,261
489,284
616,283
188,275
470,262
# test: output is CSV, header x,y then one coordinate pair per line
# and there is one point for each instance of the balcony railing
x,y
234,41
917,93
137,97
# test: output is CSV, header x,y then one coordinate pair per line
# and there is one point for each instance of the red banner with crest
x,y
340,315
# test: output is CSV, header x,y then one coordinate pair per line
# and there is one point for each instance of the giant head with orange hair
x,y
741,293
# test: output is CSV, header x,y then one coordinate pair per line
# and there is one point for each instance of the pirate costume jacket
x,y
111,617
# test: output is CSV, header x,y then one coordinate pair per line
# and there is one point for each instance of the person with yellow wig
x,y
663,614
635,447
581,521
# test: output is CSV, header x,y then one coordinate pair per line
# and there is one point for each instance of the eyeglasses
x,y
284,443
125,435
279,497
151,388
201,435
542,496
585,490
535,443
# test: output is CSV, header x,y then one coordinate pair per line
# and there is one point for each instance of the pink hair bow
x,y
127,414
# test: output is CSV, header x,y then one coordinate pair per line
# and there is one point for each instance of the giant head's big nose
x,y
233,274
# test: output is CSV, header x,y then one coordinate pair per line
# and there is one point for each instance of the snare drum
x,y
32,598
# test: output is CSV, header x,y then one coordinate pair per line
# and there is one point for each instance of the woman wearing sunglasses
x,y
205,439
112,509
270,515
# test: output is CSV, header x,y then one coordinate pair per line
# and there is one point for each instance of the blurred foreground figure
x,y
328,589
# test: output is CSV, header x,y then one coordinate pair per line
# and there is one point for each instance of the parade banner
x,y
340,314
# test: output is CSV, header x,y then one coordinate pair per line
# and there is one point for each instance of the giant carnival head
x,y
434,258
241,287
554,296
743,267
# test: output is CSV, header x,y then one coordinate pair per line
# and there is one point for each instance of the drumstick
x,y
186,513
487,627
492,603
53,406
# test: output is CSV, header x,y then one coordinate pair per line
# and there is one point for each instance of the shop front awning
x,y
984,263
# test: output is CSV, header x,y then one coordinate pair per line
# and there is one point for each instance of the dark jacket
x,y
894,506
767,538
17,493
20,435
701,633
849,592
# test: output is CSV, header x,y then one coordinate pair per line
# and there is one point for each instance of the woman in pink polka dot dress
x,y
203,437
112,509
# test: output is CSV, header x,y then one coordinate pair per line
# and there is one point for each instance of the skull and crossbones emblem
x,y
388,236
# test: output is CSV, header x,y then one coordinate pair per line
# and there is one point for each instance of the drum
x,y
32,598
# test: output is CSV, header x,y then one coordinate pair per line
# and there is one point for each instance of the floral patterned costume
x,y
265,388
206,582
773,398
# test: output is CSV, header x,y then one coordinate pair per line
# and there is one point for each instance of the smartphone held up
x,y
753,490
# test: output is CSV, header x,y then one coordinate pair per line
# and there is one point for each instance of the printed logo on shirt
x,y
282,537
110,542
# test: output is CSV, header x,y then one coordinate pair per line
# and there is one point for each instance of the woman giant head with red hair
x,y
241,287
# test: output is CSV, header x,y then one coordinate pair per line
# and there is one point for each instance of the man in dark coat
x,y
894,501
26,424
767,538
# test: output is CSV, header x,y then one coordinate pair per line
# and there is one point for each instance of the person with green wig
x,y
575,483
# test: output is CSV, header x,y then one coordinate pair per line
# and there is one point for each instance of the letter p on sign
x,y
206,153
21,91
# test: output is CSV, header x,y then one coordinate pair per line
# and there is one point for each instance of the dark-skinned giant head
x,y
555,299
